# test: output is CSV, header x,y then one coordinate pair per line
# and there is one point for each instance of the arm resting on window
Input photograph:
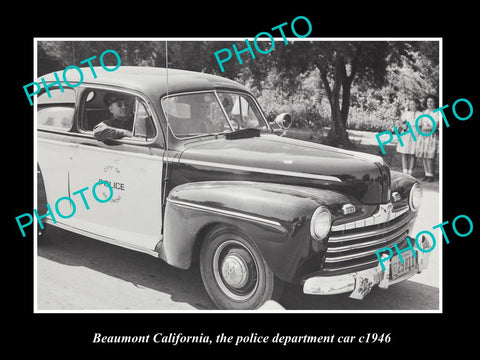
x,y
104,132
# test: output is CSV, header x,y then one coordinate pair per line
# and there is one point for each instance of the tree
x,y
339,64
336,62
409,68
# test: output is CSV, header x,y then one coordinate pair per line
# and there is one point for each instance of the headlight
x,y
321,223
415,197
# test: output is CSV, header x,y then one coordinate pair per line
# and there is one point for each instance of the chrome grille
x,y
356,248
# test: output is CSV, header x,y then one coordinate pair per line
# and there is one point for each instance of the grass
x,y
365,141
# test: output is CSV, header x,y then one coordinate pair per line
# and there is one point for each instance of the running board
x,y
106,239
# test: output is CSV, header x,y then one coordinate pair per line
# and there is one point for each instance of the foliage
x,y
300,78
304,104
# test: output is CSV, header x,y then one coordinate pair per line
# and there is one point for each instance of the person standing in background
x,y
427,146
409,144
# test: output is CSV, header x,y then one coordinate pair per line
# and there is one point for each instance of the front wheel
x,y
234,271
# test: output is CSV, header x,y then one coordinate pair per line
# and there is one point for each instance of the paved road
x,y
78,273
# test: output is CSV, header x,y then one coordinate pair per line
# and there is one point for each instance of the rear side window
x,y
56,112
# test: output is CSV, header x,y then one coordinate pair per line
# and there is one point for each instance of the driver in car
x,y
121,122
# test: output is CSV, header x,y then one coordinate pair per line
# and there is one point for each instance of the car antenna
x,y
165,154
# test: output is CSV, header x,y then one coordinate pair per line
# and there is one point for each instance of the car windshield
x,y
206,113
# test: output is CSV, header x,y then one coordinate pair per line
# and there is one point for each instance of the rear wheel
x,y
234,271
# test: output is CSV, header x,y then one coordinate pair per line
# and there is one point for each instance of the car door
x,y
132,166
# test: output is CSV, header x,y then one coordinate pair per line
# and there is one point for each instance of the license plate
x,y
398,269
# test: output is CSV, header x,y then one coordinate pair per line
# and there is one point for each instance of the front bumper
x,y
360,283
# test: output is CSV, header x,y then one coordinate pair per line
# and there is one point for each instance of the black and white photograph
x,y
217,180
278,175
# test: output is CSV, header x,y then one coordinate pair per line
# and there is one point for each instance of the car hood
x,y
270,158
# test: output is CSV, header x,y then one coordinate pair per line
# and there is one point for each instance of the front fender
x,y
402,184
275,217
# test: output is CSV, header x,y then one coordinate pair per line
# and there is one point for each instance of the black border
x,y
410,332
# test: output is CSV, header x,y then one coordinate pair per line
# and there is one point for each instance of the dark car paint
x,y
291,206
402,183
363,180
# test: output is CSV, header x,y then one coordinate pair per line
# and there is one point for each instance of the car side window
x,y
96,110
56,112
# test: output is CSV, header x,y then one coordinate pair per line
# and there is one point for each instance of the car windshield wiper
x,y
235,134
205,134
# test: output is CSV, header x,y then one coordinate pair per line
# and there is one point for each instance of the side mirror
x,y
284,121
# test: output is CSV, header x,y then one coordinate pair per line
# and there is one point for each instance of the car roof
x,y
151,80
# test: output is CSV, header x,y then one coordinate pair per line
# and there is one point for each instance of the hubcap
x,y
236,270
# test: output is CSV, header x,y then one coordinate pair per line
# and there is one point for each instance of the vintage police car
x,y
204,178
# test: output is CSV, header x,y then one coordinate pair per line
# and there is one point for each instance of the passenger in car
x,y
121,122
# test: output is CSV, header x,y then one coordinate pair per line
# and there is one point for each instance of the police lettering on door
x,y
114,185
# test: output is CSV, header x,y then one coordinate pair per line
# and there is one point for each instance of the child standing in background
x,y
409,144
427,146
